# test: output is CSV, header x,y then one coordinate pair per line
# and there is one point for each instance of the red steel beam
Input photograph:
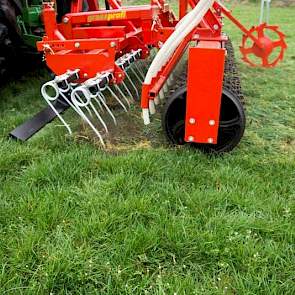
x,y
123,13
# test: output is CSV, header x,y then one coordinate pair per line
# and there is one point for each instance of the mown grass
x,y
75,219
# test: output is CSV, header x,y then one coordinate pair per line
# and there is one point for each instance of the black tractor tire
x,y
10,37
7,52
63,7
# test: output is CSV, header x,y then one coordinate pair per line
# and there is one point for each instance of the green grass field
x,y
147,218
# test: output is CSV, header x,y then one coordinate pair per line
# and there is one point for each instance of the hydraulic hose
x,y
184,27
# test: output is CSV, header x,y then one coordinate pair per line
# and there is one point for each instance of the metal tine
x,y
117,98
105,79
98,102
142,65
87,94
130,58
175,73
125,62
132,84
100,96
145,63
92,88
64,91
103,101
122,94
136,75
178,70
86,107
70,86
62,88
81,104
49,99
127,90
99,117
139,70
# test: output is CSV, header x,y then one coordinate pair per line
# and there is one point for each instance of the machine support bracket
x,y
204,92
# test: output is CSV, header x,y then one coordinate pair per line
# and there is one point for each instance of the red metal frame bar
x,y
124,13
228,14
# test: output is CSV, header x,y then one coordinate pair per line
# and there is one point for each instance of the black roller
x,y
232,116
231,125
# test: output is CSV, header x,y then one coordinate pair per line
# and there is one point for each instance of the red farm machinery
x,y
184,63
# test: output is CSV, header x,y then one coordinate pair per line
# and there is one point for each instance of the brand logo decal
x,y
107,16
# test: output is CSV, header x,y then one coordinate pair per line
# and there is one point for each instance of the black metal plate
x,y
36,123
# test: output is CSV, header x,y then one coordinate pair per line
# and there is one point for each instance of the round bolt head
x,y
77,45
113,44
210,140
191,138
192,121
212,122
215,27
65,20
85,75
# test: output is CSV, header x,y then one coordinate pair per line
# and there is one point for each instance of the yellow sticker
x,y
107,16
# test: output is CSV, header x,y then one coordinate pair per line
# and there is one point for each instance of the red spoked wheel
x,y
269,48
